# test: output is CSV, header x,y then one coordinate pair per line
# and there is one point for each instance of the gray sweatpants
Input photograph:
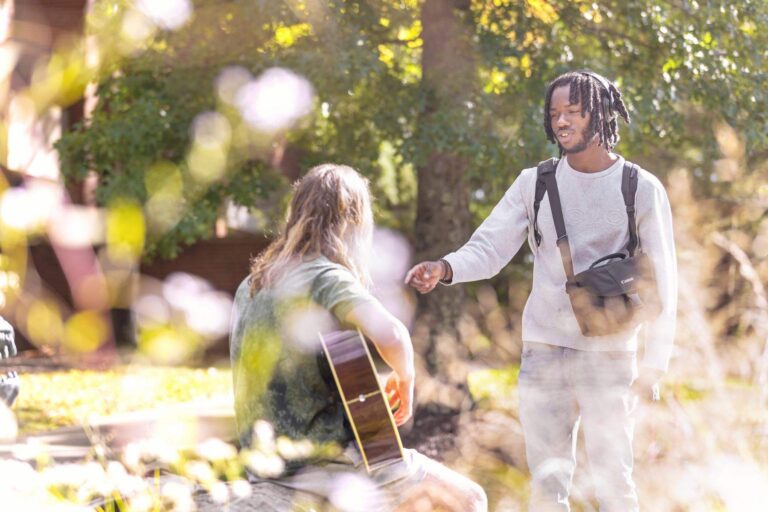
x,y
560,388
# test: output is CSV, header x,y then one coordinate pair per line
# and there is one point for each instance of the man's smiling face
x,y
570,127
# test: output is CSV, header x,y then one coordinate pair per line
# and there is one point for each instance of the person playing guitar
x,y
311,281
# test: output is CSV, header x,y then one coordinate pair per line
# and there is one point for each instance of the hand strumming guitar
x,y
400,395
425,275
393,342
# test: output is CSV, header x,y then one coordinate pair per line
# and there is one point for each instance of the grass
x,y
65,398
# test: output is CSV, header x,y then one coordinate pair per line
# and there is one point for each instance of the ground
x,y
433,432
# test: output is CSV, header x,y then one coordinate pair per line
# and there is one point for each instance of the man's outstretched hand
x,y
425,276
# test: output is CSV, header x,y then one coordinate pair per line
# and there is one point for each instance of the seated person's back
x,y
311,280
275,351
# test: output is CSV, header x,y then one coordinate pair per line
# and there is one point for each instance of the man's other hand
x,y
647,383
425,276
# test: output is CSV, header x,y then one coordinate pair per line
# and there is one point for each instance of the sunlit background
x,y
147,150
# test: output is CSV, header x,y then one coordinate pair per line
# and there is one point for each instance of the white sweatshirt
x,y
596,223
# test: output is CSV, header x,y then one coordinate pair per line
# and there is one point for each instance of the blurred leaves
x,y
681,68
495,387
44,322
690,391
85,331
165,344
125,232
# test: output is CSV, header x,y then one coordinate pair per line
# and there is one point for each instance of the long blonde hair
x,y
330,214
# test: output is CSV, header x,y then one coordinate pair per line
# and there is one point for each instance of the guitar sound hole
x,y
361,398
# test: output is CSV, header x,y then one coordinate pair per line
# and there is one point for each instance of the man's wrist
x,y
446,271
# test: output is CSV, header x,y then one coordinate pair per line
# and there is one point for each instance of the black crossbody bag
x,y
618,291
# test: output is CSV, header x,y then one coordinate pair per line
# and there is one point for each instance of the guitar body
x,y
363,397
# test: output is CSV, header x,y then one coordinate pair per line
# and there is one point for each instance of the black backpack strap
x,y
550,181
628,190
543,167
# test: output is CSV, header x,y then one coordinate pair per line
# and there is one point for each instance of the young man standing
x,y
567,378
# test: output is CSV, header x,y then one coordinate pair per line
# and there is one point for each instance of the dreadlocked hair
x,y
330,215
588,91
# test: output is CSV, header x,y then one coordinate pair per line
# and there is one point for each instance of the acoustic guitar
x,y
363,397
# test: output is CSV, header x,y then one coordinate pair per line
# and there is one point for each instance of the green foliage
x,y
682,67
495,387
144,117
690,391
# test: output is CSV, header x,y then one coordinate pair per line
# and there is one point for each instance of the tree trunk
x,y
442,215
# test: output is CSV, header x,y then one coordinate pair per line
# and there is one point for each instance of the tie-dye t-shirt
x,y
275,349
